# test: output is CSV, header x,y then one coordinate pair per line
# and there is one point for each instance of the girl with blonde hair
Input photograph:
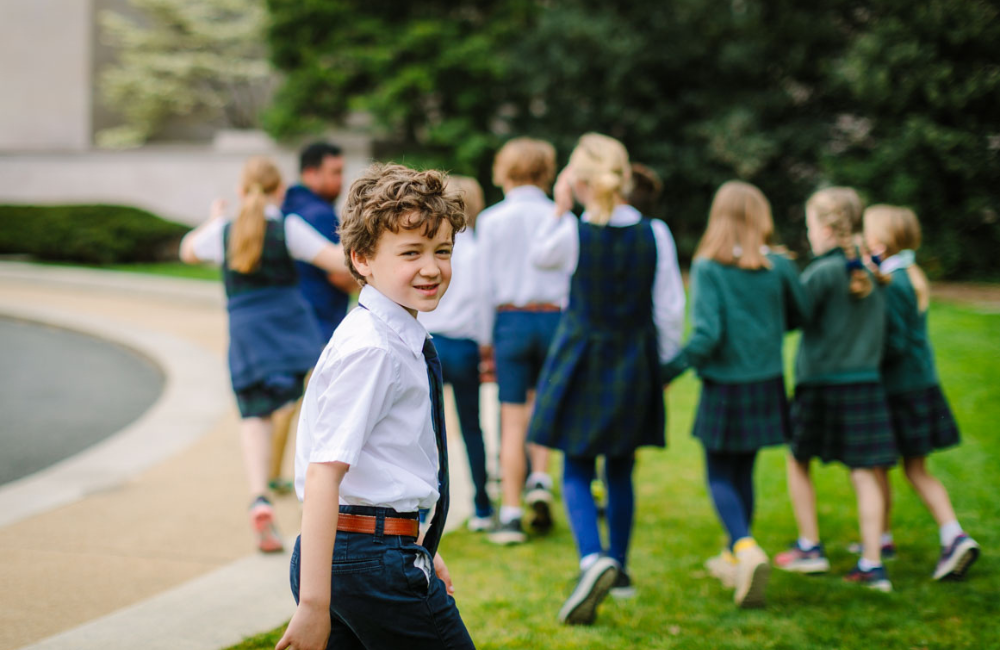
x,y
921,417
273,337
840,410
744,297
601,390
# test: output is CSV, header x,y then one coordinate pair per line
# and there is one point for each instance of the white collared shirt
x,y
368,405
557,244
302,240
505,232
460,315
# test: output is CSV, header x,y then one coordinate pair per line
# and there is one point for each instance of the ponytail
x,y
602,163
246,236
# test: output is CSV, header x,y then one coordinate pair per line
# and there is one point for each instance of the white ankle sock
x,y
886,539
949,532
540,477
587,561
805,543
509,514
865,565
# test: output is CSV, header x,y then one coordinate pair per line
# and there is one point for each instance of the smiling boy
x,y
370,450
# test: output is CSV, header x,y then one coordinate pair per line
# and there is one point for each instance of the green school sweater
x,y
842,342
909,359
740,317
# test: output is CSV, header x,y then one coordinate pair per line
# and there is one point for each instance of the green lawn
x,y
171,269
509,597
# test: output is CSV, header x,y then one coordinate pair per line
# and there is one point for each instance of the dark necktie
x,y
433,536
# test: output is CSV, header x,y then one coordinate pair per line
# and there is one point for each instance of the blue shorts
x,y
520,344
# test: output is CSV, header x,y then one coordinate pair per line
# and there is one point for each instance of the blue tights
x,y
730,482
578,473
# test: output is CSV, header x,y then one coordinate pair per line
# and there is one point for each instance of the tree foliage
x,y
205,58
896,99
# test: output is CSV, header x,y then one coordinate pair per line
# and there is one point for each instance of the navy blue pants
x,y
730,482
578,473
380,597
460,368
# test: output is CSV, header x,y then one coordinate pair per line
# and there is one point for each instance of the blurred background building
x,y
51,114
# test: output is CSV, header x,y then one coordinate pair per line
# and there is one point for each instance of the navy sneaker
x,y
956,558
507,534
539,499
873,578
623,587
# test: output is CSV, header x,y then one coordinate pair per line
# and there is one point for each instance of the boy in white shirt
x,y
370,449
524,305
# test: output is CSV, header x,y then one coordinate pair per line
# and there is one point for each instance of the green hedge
x,y
88,234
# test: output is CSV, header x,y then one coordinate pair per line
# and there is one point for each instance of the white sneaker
x,y
592,587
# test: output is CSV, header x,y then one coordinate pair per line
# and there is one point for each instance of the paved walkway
x,y
142,540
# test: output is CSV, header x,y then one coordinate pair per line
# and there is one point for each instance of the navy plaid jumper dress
x,y
600,392
274,340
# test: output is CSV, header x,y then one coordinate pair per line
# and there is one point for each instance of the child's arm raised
x,y
556,244
310,626
204,243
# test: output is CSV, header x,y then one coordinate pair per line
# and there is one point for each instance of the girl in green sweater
x,y
921,418
745,296
840,411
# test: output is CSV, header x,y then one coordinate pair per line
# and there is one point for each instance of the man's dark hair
x,y
312,156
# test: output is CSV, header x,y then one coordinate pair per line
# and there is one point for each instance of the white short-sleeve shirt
x,y
368,405
557,245
302,240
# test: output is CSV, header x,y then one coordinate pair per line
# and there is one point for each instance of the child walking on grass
x,y
273,338
601,392
921,418
840,410
745,296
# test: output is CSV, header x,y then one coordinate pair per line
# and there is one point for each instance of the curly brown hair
x,y
390,197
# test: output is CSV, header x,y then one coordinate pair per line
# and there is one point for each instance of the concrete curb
x,y
118,283
194,398
211,612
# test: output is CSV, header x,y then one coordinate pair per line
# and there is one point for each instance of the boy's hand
x,y
441,569
218,209
309,629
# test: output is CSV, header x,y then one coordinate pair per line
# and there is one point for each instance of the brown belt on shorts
x,y
366,524
535,307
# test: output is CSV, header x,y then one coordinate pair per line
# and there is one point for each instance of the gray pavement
x,y
61,392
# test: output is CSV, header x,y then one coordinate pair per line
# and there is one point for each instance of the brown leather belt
x,y
366,524
536,307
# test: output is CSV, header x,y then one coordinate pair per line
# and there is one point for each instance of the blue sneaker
x,y
956,558
873,578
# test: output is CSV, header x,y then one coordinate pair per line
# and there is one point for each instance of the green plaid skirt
x,y
742,417
849,423
265,397
922,422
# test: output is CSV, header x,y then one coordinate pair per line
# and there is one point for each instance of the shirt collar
x,y
623,215
408,328
901,260
525,193
271,211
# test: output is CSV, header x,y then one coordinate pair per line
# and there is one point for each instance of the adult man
x,y
321,172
